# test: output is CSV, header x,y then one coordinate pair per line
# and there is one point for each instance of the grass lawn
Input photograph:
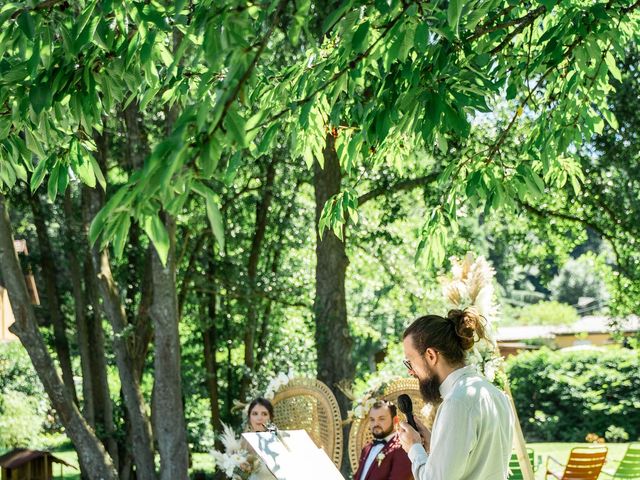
x,y
200,462
203,461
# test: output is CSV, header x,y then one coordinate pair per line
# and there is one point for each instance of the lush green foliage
x,y
23,405
580,278
563,396
546,313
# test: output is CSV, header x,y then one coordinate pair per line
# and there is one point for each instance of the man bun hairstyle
x,y
469,326
452,335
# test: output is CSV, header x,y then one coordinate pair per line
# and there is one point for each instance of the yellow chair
x,y
585,463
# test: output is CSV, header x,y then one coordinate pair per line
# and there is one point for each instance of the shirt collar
x,y
387,439
447,386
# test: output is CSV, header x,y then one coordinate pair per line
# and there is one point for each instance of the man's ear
x,y
431,356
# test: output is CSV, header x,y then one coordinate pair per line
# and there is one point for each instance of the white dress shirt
x,y
373,453
472,433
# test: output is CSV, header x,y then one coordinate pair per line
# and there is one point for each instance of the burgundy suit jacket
x,y
395,465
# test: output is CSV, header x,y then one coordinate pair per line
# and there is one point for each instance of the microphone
x,y
406,406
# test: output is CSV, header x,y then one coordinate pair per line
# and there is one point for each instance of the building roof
x,y
19,456
588,324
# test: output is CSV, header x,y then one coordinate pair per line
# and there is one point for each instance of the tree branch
x,y
402,185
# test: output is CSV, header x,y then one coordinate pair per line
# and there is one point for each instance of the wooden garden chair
x,y
514,465
629,467
585,463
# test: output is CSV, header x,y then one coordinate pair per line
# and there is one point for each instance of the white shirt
x,y
472,433
373,453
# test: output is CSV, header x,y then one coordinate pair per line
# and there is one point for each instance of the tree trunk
x,y
168,408
262,211
103,406
91,452
210,340
51,282
74,252
333,340
113,309
133,399
275,265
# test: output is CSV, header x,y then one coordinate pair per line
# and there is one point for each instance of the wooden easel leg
x,y
518,441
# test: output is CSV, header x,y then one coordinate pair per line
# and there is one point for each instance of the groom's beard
x,y
380,434
430,388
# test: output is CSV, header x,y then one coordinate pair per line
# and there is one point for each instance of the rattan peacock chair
x,y
308,404
360,433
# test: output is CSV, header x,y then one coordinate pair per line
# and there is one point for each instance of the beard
x,y
380,434
430,388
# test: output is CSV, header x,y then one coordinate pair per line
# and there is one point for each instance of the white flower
x,y
380,458
281,380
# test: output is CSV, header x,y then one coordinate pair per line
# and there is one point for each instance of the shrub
x,y
547,313
21,420
23,404
562,396
616,434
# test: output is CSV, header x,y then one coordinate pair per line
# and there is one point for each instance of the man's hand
x,y
425,433
408,436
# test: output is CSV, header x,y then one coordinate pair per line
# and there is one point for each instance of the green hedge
x,y
563,396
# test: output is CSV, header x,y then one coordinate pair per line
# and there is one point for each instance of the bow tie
x,y
379,442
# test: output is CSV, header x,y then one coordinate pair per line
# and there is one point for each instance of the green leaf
x,y
333,17
52,189
84,170
209,157
157,233
38,96
548,3
453,13
610,118
98,173
120,236
613,68
215,219
360,37
39,174
148,96
235,125
26,24
267,138
87,34
33,144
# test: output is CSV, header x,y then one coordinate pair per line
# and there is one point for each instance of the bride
x,y
260,414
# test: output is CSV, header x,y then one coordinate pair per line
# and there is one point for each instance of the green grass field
x,y
204,462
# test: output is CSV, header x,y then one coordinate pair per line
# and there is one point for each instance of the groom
x,y
383,458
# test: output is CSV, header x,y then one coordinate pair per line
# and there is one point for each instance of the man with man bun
x,y
473,428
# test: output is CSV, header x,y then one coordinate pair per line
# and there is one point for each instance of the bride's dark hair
x,y
261,401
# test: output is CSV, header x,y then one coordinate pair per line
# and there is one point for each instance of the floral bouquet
x,y
235,462
470,284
